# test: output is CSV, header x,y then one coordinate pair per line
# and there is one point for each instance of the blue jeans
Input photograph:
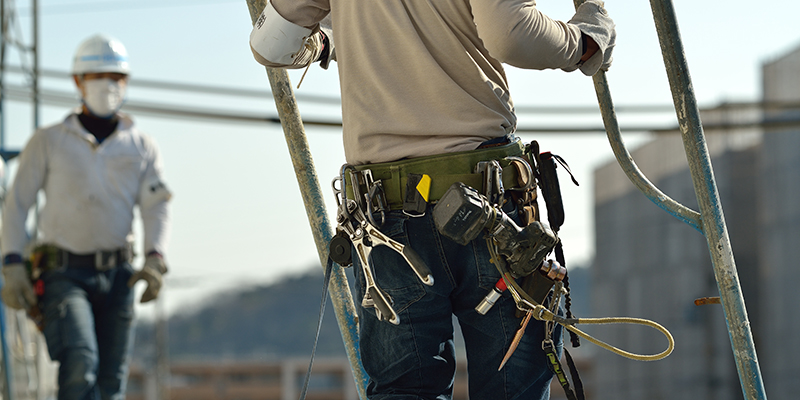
x,y
88,318
416,359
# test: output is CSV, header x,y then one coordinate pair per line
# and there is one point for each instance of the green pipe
x,y
705,188
711,220
321,228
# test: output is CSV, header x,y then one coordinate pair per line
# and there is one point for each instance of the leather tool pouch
x,y
526,200
535,284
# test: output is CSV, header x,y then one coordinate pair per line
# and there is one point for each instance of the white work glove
x,y
152,271
17,290
593,20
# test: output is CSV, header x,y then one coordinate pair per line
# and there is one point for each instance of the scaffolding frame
x,y
33,74
710,221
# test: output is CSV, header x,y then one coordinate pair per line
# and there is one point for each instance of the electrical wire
x,y
60,98
112,6
193,88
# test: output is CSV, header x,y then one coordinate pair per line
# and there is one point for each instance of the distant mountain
x,y
275,322
269,322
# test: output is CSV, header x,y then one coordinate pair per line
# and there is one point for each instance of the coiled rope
x,y
541,313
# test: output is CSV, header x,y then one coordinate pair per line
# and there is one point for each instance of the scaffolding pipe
x,y
625,159
8,392
711,220
296,140
35,66
705,187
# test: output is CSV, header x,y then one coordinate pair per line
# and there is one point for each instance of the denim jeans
x,y
88,317
416,358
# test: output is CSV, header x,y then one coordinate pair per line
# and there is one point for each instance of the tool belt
x,y
443,170
48,257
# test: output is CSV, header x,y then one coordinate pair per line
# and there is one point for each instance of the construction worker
x,y
93,168
422,82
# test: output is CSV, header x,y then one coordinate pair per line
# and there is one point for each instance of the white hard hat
x,y
100,53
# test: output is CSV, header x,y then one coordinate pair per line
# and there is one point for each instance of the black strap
x,y
566,167
325,281
555,366
576,379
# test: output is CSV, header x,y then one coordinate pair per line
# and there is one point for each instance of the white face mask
x,y
103,97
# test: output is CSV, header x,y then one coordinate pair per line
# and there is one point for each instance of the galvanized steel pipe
x,y
315,208
705,187
625,160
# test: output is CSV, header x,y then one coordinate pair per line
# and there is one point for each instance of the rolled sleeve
x,y
273,47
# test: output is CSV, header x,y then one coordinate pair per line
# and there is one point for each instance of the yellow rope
x,y
541,313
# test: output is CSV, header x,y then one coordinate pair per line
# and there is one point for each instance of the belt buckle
x,y
105,260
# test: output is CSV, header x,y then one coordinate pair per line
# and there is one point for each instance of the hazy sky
x,y
238,218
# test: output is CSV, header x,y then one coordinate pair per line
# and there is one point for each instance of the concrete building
x,y
650,265
779,228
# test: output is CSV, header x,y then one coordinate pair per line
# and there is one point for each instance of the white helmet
x,y
100,53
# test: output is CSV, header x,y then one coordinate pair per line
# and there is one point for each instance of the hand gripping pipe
x,y
315,208
710,221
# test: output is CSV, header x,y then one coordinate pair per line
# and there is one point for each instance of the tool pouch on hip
x,y
538,285
526,201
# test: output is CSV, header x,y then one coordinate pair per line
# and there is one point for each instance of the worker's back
x,y
413,69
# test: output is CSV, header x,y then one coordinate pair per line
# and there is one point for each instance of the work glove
x,y
593,20
152,272
17,289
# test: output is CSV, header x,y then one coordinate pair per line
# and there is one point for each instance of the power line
x,y
61,98
65,99
336,100
193,87
111,6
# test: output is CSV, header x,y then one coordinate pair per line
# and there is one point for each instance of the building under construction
x,y
651,265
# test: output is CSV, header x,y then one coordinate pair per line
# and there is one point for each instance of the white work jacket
x,y
90,189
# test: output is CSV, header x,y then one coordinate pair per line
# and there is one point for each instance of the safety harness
x,y
365,193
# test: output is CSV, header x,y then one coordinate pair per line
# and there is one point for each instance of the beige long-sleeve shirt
x,y
424,77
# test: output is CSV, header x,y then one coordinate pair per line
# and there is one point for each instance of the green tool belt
x,y
443,169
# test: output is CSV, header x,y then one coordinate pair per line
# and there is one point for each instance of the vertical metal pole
x,y
163,374
705,187
3,32
9,383
315,208
9,380
35,72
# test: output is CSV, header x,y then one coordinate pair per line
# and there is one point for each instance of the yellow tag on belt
x,y
424,186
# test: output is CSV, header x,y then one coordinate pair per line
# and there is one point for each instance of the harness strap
x,y
555,366
576,379
325,282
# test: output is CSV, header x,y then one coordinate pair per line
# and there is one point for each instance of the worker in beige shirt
x,y
423,87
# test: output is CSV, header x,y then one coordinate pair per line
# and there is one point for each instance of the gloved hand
x,y
593,20
152,271
17,290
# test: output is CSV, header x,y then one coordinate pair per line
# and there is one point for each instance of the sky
x,y
237,215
